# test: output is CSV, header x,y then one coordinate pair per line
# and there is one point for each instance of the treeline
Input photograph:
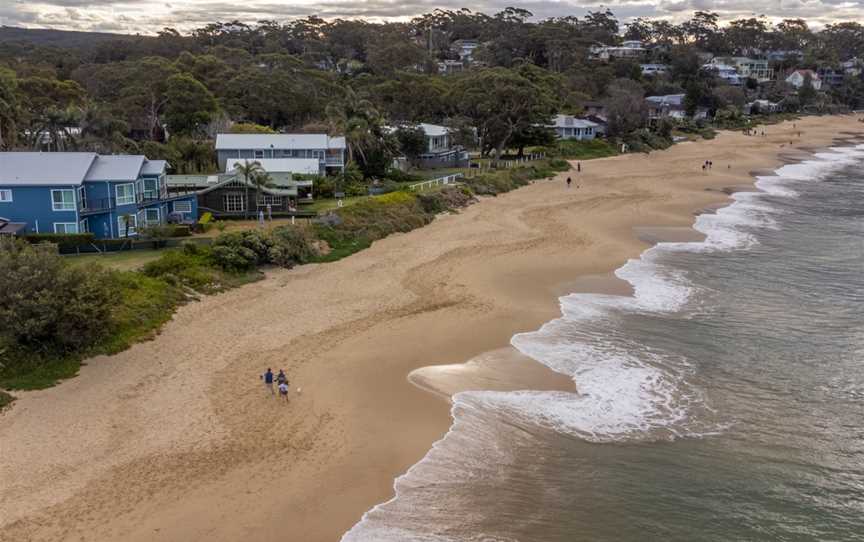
x,y
353,77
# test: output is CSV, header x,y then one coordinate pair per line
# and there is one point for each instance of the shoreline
x,y
208,463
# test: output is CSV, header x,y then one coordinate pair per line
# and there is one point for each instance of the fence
x,y
449,179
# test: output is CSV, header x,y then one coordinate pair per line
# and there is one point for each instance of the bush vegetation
x,y
584,150
56,314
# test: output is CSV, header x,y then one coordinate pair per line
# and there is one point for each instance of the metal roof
x,y
44,168
433,130
11,228
305,166
671,99
154,167
278,141
120,167
569,121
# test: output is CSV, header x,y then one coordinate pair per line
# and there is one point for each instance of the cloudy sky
x,y
149,16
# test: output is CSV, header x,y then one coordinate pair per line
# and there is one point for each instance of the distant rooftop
x,y
569,121
278,141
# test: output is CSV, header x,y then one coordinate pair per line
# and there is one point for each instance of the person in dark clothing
x,y
578,167
268,380
569,182
281,378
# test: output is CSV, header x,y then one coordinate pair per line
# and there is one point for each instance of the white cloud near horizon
x,y
150,16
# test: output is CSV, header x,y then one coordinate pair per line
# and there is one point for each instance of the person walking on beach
x,y
569,182
268,380
283,391
281,378
578,167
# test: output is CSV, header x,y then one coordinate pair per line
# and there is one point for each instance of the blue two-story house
x,y
112,196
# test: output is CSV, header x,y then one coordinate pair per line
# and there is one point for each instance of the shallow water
x,y
724,401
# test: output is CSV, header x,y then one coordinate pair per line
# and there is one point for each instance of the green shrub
x,y
206,218
292,245
241,251
234,258
448,198
585,150
5,399
192,267
63,239
557,164
46,304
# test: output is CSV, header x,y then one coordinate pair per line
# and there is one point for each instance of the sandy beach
x,y
177,439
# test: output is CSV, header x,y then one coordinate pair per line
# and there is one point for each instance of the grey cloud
x,y
147,16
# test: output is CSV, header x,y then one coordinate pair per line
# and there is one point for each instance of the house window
x,y
65,227
274,201
234,203
5,196
182,206
151,216
63,200
125,194
259,154
82,197
151,188
121,225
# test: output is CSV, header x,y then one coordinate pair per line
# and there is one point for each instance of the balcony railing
x,y
97,205
334,161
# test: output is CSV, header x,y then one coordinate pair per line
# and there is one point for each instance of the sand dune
x,y
176,439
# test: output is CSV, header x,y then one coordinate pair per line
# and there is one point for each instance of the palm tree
x,y
353,117
260,180
248,170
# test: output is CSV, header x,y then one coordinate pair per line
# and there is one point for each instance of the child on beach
x,y
569,181
283,391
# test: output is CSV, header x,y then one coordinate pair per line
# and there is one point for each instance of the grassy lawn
x,y
126,260
323,205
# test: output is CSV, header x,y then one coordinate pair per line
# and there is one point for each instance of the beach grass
x,y
125,260
585,150
5,399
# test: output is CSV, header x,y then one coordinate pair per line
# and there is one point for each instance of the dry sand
x,y
176,439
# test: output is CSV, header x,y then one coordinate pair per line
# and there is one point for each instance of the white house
x,y
628,49
329,151
753,68
671,106
797,78
465,49
654,69
570,127
726,72
302,166
440,151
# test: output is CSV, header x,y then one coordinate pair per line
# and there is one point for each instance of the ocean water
x,y
724,401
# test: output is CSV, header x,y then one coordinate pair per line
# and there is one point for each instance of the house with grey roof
x,y
671,106
570,127
330,152
440,151
111,196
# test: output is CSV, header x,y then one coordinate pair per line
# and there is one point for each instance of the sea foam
x,y
625,391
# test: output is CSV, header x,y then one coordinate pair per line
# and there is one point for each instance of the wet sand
x,y
176,439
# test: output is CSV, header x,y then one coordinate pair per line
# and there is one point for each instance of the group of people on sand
x,y
280,381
